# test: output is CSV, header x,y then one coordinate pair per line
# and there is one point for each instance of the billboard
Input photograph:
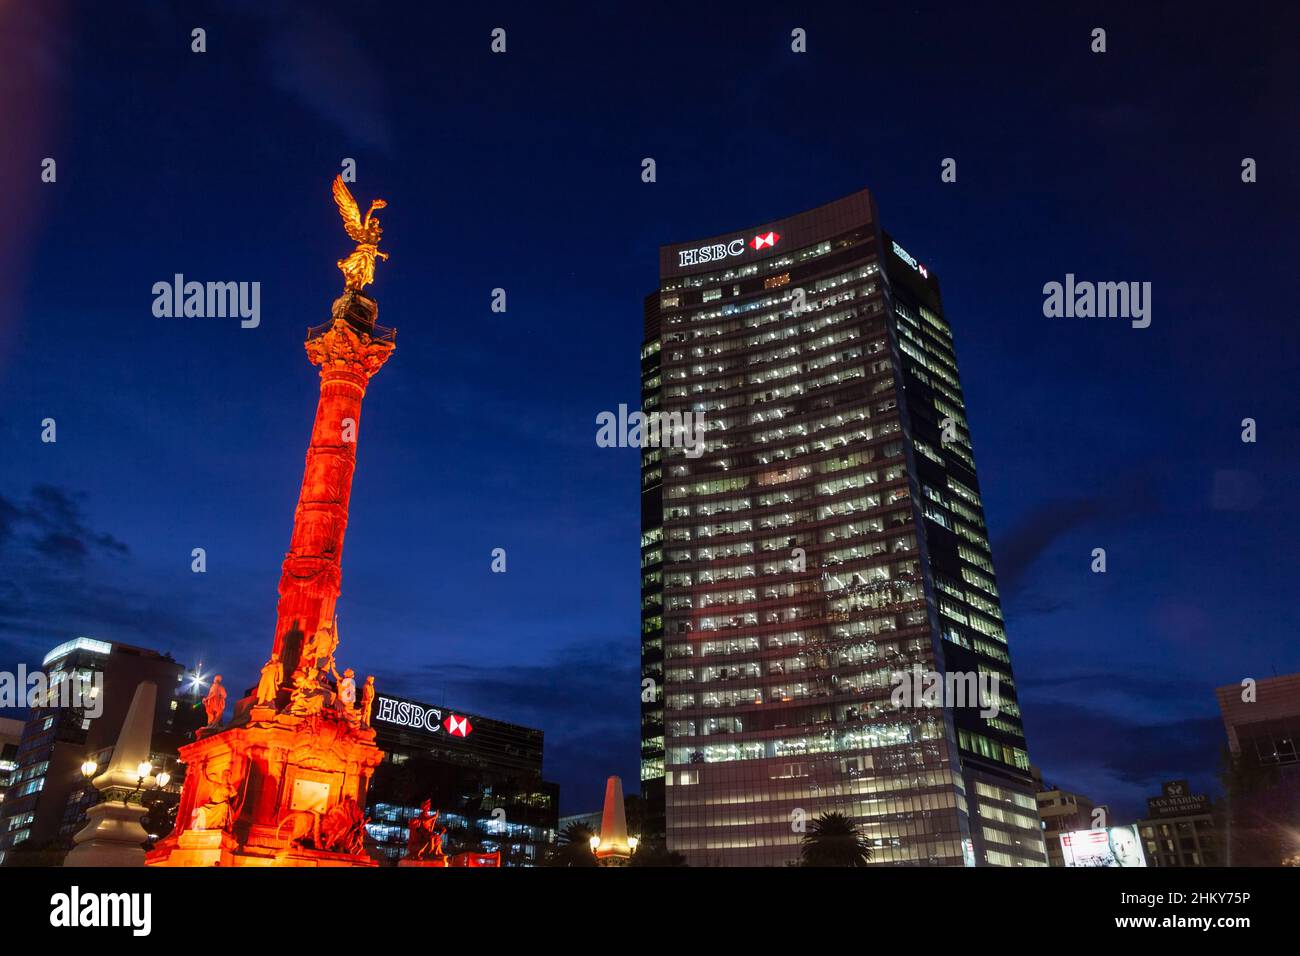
x,y
1112,846
1177,799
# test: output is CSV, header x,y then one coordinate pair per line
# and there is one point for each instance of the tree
x,y
834,840
656,854
1260,812
574,847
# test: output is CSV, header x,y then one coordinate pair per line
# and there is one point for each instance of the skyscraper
x,y
48,795
827,545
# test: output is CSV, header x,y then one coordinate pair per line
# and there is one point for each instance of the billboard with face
x,y
1113,846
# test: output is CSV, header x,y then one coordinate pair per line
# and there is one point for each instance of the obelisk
x,y
113,835
614,848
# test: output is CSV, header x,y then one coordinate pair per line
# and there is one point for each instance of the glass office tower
x,y
829,540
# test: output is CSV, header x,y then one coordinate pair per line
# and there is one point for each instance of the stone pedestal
x,y
203,848
270,793
113,836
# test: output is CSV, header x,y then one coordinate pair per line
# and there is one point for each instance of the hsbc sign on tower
x,y
725,250
430,720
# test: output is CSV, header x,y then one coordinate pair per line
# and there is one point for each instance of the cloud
x,y
1019,550
55,526
60,577
1025,544
1120,761
1116,735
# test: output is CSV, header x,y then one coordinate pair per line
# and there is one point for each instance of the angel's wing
x,y
348,210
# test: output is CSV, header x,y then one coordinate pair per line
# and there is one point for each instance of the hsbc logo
x,y
910,260
725,250
405,713
429,720
457,726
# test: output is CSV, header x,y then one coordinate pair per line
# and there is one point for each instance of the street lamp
x,y
631,843
594,842
88,769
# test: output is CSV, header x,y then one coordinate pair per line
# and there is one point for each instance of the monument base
x,y
280,790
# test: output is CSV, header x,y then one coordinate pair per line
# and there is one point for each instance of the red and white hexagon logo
x,y
457,726
765,241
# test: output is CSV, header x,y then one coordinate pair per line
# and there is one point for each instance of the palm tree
x,y
574,847
834,840
656,854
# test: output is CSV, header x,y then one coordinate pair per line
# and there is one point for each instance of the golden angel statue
x,y
359,268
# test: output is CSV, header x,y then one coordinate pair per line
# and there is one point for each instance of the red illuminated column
x,y
349,350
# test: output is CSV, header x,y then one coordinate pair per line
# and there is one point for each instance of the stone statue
x,y
348,688
308,651
307,697
324,644
272,677
424,839
359,268
218,813
304,828
367,699
343,828
215,702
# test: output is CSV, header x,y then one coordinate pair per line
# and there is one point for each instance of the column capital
x,y
352,342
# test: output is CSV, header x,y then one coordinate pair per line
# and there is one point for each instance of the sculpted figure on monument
x,y
367,699
327,641
215,702
347,699
220,810
309,652
269,683
424,838
343,828
308,696
304,826
359,268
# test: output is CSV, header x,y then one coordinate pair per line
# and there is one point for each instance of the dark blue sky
x,y
522,171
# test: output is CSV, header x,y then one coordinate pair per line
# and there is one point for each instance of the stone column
x,y
349,351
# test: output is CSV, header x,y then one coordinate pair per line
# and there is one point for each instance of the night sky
x,y
522,171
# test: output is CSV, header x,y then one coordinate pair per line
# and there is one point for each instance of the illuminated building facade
x,y
483,776
830,536
1061,812
48,794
